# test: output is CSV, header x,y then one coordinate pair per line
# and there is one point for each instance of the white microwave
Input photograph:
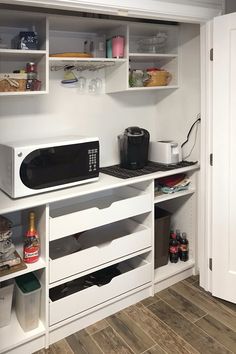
x,y
36,166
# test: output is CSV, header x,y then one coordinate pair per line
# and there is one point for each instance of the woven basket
x,y
8,81
158,78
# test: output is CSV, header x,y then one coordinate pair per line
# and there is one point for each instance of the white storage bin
x,y
133,273
99,246
27,305
6,292
90,211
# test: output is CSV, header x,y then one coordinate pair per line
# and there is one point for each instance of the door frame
x,y
205,187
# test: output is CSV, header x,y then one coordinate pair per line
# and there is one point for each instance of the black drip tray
x,y
151,167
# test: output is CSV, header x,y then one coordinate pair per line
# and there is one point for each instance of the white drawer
x,y
90,211
99,246
134,273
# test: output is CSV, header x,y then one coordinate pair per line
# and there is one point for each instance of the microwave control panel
x,y
93,159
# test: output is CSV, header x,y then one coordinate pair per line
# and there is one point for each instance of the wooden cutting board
x,y
71,55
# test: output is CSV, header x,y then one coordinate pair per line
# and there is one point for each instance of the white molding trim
x,y
195,11
205,189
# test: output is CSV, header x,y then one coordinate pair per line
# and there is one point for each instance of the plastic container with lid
x,y
158,77
6,292
28,291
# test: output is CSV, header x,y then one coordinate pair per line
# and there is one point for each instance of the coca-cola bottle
x,y
174,249
184,247
178,238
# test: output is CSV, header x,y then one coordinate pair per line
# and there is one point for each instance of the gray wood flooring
x,y
183,319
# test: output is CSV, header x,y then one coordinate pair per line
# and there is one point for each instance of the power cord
x,y
198,120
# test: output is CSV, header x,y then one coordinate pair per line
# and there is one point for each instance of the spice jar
x,y
31,68
158,77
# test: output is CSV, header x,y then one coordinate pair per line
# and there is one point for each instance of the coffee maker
x,y
133,146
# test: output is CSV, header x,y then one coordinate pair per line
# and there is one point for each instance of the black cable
x,y
198,120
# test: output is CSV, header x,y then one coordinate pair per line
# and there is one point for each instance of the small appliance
x,y
36,166
134,145
166,152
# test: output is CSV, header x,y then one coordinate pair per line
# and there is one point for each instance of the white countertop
x,y
105,182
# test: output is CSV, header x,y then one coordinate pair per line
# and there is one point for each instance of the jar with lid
x,y
31,70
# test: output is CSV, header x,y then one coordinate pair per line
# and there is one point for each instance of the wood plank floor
x,y
183,319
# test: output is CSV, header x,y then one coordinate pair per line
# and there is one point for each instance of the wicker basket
x,y
158,78
13,82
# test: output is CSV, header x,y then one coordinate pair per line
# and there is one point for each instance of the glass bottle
x,y
31,241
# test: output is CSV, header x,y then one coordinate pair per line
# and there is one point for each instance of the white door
x,y
224,158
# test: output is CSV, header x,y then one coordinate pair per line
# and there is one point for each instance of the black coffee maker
x,y
134,145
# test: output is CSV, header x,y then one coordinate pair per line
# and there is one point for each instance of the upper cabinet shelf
x,y
146,46
23,39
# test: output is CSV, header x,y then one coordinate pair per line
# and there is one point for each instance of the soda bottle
x,y
31,241
178,238
174,249
184,247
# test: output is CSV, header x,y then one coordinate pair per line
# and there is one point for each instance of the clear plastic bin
x,y
28,291
6,292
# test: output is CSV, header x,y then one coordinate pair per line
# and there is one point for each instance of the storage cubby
x,y
80,35
153,47
87,292
160,196
14,59
183,211
20,225
15,332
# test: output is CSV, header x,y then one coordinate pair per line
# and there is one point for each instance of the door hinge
x,y
210,263
211,159
211,54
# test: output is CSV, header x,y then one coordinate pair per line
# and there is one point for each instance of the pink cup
x,y
118,43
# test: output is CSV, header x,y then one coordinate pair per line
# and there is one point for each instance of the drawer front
x,y
72,223
88,298
95,256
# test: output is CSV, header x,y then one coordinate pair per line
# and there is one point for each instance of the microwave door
x,y
54,166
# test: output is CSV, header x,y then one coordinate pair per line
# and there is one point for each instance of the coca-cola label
x,y
174,249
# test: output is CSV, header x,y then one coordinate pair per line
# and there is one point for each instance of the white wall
x,y
65,111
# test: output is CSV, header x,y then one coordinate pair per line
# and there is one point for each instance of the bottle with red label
x,y
184,247
174,249
31,241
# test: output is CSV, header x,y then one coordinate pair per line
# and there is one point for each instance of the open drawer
x,y
89,291
90,211
96,247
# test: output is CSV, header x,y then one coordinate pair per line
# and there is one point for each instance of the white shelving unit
x,y
124,230
81,209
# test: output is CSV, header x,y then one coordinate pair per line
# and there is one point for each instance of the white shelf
x,y
168,87
20,55
30,268
144,57
105,182
13,335
163,197
23,93
84,63
90,60
172,269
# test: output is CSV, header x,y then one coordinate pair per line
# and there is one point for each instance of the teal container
x,y
109,48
